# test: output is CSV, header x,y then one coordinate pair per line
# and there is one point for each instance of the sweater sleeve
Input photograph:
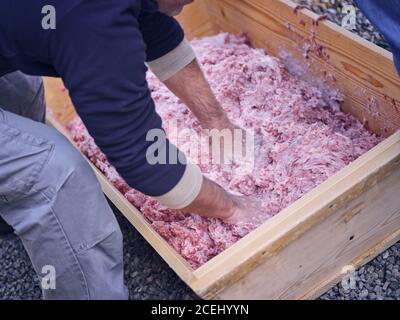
x,y
167,50
99,52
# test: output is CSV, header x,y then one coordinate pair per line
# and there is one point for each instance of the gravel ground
x,y
149,277
333,10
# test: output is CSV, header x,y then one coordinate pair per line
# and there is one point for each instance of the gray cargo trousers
x,y
53,201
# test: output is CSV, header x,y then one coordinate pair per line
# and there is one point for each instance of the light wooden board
x,y
195,20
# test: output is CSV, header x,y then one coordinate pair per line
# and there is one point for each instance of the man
x,y
47,191
48,194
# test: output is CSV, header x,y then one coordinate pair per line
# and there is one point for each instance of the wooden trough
x,y
345,221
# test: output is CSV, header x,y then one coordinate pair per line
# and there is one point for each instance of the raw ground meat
x,y
303,138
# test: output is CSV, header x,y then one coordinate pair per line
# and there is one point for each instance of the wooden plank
x,y
362,71
58,100
321,288
376,171
324,251
195,20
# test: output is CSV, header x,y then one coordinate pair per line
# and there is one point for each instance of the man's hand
x,y
214,202
247,210
192,88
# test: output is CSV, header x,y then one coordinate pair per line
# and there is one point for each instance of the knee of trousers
x,y
74,195
39,158
23,95
63,191
81,207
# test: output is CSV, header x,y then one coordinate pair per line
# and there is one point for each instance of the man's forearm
x,y
190,85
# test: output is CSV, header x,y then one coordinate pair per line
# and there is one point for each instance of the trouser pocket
x,y
22,159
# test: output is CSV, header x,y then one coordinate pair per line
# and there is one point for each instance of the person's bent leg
x,y
22,95
51,197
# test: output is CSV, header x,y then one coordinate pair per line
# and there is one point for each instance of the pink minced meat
x,y
305,140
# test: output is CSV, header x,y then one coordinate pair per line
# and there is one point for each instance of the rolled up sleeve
x,y
172,62
100,56
167,51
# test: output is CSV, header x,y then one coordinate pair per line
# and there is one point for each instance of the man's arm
x,y
100,56
192,88
181,73
175,64
99,52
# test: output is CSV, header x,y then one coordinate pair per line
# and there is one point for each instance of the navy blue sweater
x,y
99,49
